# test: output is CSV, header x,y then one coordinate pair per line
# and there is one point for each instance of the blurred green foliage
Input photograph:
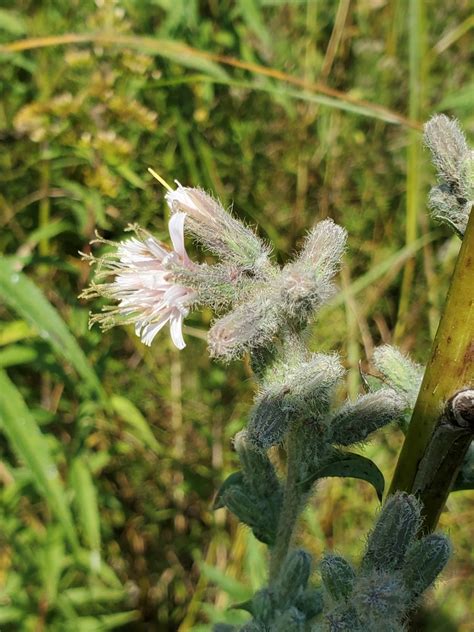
x,y
110,452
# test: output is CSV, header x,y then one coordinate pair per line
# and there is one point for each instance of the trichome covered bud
x,y
306,283
300,388
355,421
451,202
293,577
424,561
338,577
394,531
217,230
403,375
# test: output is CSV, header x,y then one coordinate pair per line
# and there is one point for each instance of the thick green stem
x,y
449,370
292,504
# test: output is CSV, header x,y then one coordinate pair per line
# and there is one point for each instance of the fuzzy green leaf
x,y
352,466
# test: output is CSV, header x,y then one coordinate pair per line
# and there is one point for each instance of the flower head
x,y
144,284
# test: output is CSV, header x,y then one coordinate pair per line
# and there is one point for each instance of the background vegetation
x,y
110,452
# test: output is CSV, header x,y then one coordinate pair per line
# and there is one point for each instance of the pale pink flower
x,y
145,286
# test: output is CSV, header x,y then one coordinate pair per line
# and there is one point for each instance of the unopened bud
x,y
249,326
257,468
293,577
424,561
263,605
338,577
269,421
217,229
395,530
292,620
379,598
403,375
355,421
310,602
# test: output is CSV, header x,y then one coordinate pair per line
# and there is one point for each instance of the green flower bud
x,y
292,620
342,619
258,470
293,577
269,421
354,421
403,375
393,533
338,577
310,602
380,598
253,626
424,561
263,605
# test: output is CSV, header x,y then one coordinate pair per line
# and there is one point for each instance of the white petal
x,y
150,330
176,323
180,198
176,228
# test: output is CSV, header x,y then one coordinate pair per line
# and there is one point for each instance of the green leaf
x,y
137,423
51,562
236,590
85,498
31,447
90,596
17,354
348,464
237,478
22,295
12,22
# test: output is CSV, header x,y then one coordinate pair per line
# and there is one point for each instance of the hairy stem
x,y
449,370
292,503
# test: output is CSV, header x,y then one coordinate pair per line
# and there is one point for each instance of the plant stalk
x,y
292,504
450,369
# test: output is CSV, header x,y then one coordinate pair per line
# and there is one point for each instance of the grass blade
x,y
22,295
85,499
32,448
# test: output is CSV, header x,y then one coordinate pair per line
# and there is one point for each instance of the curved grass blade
x,y
22,295
32,448
87,506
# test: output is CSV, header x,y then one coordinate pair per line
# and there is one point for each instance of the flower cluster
x,y
255,299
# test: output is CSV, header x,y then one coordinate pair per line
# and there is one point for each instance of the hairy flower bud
x,y
293,577
451,202
342,619
310,602
217,230
424,561
292,620
338,577
258,470
448,147
403,375
306,283
263,605
355,421
249,326
300,388
393,533
380,598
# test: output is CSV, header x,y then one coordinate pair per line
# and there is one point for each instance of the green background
x,y
111,452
